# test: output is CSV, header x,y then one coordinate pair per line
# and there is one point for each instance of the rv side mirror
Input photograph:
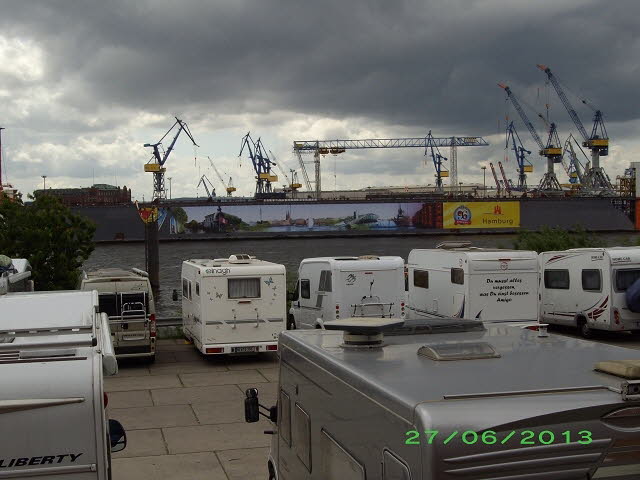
x,y
175,295
251,406
117,436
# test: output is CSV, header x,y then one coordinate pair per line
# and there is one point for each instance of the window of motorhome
x,y
185,288
556,279
336,462
198,288
284,416
305,289
243,287
592,280
108,303
625,278
301,436
457,276
421,278
325,281
189,290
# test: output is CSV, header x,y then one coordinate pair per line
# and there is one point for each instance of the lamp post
x,y
44,182
484,180
169,178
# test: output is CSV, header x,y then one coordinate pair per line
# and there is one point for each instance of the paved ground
x,y
184,416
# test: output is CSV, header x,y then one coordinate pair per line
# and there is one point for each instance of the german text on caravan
x,y
43,460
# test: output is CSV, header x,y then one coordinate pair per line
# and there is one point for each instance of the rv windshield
x,y
625,278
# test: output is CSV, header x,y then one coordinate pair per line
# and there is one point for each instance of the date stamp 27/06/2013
x,y
490,437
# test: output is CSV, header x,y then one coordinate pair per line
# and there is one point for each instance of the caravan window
x,y
244,287
592,280
302,436
457,276
185,288
198,288
625,278
305,289
337,462
421,278
284,417
556,279
325,281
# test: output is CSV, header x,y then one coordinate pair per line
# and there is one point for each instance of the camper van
x,y
15,275
126,297
54,351
457,280
234,305
448,399
330,288
586,287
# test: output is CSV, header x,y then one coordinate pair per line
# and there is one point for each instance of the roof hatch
x,y
458,351
364,331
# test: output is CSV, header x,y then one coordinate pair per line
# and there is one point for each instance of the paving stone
x,y
194,466
190,355
270,374
224,411
165,357
266,391
154,417
131,369
136,398
206,438
141,443
187,367
220,378
148,382
263,360
182,396
246,463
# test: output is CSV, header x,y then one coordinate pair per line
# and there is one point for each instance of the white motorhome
x,y
54,350
457,280
15,275
233,305
333,287
585,288
127,298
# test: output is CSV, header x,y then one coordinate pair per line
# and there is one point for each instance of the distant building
x,y
98,194
8,190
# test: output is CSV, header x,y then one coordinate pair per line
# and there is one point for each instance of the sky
x,y
84,85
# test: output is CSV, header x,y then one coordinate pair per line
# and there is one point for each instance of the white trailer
x,y
233,305
54,350
466,282
585,288
332,287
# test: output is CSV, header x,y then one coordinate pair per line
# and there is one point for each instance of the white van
x,y
126,296
333,287
460,281
54,350
585,288
233,305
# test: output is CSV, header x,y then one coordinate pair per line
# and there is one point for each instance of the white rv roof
x,y
363,261
47,310
108,273
480,253
617,254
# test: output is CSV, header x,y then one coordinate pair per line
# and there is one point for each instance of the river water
x,y
288,252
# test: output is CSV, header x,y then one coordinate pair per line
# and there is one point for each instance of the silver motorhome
x,y
450,400
54,351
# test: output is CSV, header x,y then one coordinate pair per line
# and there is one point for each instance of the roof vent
x,y
363,332
240,258
368,257
458,351
452,245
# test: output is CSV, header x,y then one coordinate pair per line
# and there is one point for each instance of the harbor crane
x,y
552,150
228,186
292,183
336,147
495,178
156,164
524,166
210,193
574,168
431,150
261,164
598,142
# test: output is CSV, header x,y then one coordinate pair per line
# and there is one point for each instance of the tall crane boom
x,y
210,193
261,164
523,115
524,166
228,186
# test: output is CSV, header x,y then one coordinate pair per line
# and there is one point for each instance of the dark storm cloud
x,y
411,63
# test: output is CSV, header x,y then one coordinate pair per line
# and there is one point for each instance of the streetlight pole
x,y
44,182
169,178
484,180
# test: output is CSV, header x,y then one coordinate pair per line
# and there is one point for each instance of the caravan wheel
x,y
584,328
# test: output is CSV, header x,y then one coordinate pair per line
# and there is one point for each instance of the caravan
x,y
332,287
457,280
54,351
586,288
233,305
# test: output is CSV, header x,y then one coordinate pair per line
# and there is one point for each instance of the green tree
x,y
547,239
180,215
54,240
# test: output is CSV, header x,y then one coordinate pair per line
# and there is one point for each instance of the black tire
x,y
318,327
583,328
